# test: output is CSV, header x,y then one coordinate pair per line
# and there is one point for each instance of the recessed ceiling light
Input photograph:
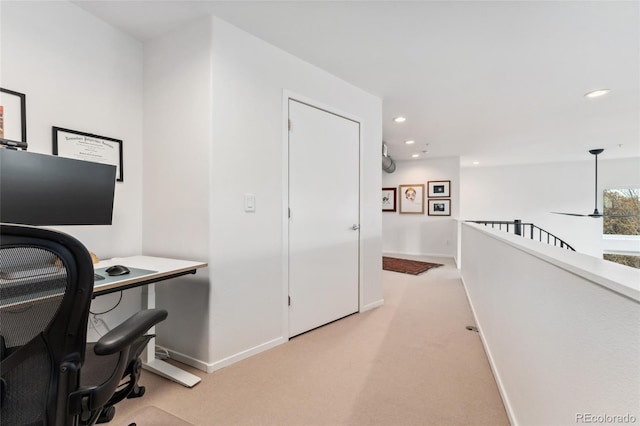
x,y
410,142
596,93
475,163
400,119
415,155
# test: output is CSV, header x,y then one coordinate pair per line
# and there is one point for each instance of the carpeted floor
x,y
149,416
410,362
407,266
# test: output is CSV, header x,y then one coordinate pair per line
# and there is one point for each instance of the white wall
x,y
245,300
422,234
82,74
248,289
532,191
91,83
560,328
177,187
79,73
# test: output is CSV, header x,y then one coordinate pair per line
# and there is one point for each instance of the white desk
x,y
163,269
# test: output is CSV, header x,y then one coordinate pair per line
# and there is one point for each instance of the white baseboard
x,y
373,305
494,370
217,365
187,360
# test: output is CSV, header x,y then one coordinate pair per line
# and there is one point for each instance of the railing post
x,y
518,227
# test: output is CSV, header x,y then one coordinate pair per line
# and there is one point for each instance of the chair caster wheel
x,y
137,392
107,414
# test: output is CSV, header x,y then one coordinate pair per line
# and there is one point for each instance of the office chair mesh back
x,y
23,270
38,292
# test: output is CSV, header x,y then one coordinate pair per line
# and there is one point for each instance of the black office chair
x,y
46,284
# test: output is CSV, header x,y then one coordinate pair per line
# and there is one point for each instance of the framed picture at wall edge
x,y
88,147
389,199
411,199
439,207
439,188
13,116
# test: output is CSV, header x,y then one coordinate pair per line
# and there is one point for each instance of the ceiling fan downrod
x,y
595,152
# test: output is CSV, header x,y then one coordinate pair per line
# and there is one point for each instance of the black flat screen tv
x,y
38,189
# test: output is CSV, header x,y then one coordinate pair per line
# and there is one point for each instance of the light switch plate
x,y
249,203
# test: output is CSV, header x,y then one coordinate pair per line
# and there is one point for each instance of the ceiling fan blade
x,y
596,215
572,214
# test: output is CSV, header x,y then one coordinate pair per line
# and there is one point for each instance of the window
x,y
621,202
623,259
622,234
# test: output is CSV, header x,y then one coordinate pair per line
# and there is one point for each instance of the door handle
x,y
355,227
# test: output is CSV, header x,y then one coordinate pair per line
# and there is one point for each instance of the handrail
x,y
519,227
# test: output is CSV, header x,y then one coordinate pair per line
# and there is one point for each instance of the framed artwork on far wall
x,y
389,199
439,207
439,188
411,199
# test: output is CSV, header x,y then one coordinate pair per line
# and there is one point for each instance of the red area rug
x,y
405,266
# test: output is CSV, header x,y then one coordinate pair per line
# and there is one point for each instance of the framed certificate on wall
x,y
89,147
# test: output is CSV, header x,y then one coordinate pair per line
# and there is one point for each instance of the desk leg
x,y
149,361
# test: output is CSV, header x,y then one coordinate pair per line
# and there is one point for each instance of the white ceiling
x,y
498,82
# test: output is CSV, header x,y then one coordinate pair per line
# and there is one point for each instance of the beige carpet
x,y
149,416
409,362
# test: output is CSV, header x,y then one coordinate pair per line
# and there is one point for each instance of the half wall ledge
x,y
617,278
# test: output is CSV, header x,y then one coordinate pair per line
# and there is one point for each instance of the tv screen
x,y
38,189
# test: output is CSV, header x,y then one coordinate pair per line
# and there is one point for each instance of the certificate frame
x,y
13,117
88,147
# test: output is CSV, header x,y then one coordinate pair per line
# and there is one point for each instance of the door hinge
x,y
289,121
289,297
289,213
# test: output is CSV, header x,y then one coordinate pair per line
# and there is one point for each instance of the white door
x,y
324,217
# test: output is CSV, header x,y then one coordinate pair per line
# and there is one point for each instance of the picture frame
x,y
411,199
88,147
439,207
389,197
13,118
439,188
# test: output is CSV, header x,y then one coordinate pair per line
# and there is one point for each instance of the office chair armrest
x,y
124,334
